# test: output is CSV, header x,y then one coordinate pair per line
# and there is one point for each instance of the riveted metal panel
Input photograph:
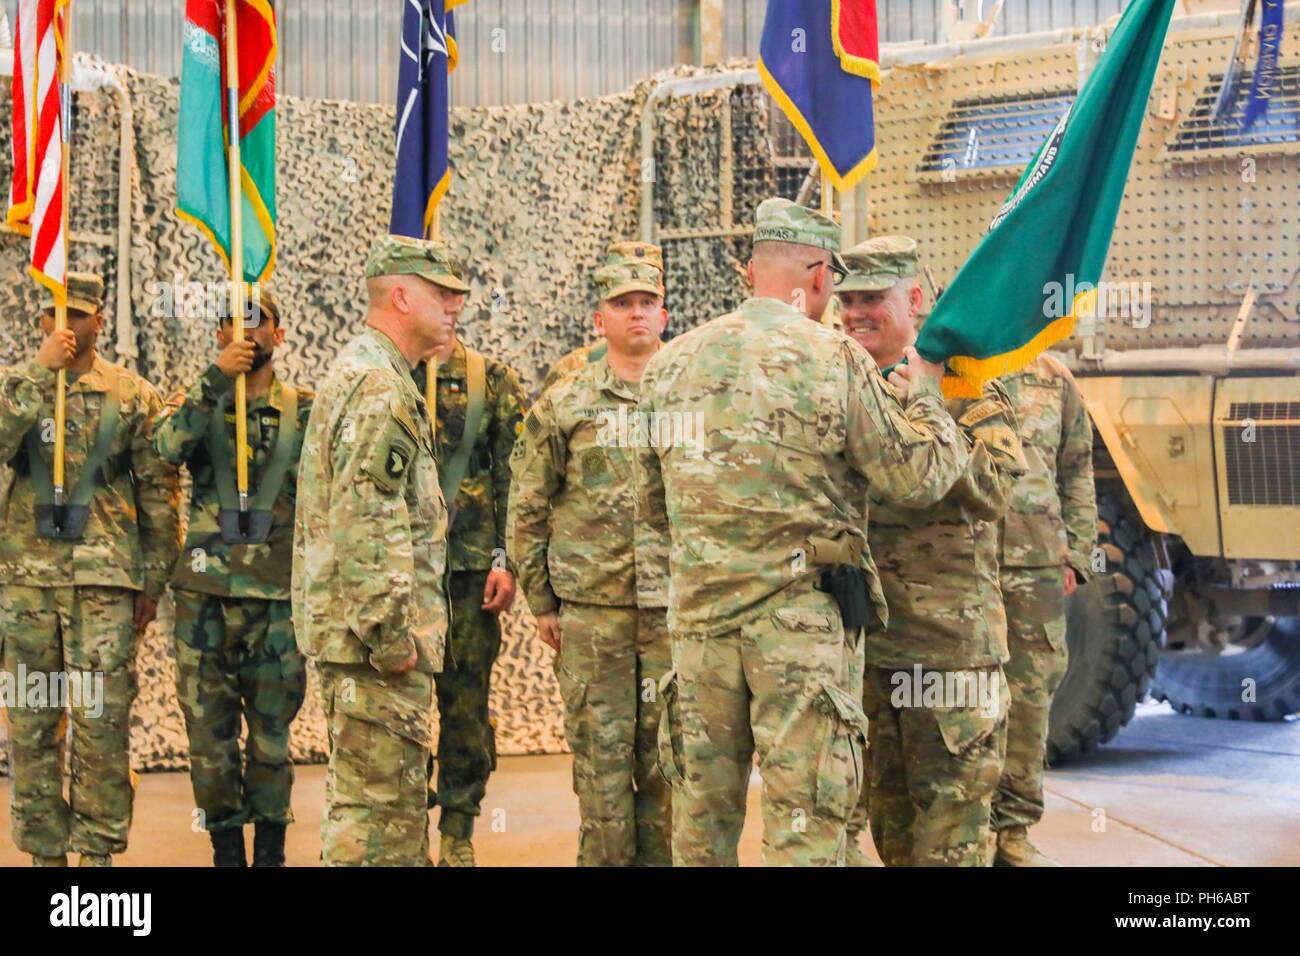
x,y
1195,224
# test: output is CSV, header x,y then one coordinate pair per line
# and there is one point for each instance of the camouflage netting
x,y
539,191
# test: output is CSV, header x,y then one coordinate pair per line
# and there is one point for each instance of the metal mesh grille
x,y
1281,124
1265,471
994,132
1264,411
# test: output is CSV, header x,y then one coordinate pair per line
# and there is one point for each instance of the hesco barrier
x,y
538,193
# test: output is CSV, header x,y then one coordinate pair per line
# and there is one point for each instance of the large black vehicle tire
x,y
1114,627
1212,684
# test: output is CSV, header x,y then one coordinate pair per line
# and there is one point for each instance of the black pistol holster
x,y
848,585
842,578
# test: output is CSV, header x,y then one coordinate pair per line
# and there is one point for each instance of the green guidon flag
x,y
202,173
1054,229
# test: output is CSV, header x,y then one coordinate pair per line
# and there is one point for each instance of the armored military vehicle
x,y
1190,369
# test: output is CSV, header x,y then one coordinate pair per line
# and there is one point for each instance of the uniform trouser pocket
x,y
376,804
840,775
577,726
670,731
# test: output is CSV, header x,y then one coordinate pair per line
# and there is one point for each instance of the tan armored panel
x,y
1200,216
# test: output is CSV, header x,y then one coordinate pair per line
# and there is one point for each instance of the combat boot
x,y
60,860
1014,849
854,855
228,847
95,859
268,844
456,851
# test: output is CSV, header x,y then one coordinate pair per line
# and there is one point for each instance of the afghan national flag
x,y
1053,232
36,197
819,60
429,55
202,171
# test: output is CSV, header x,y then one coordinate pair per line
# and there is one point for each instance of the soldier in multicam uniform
x,y
1048,537
235,650
73,605
934,690
369,557
570,362
592,574
481,585
771,582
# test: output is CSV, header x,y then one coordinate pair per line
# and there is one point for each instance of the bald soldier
x,y
80,580
369,558
1048,536
593,575
934,691
237,662
772,583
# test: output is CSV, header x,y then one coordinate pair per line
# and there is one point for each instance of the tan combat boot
x,y
455,851
1014,849
95,859
60,860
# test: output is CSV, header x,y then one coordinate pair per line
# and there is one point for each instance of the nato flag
x,y
423,114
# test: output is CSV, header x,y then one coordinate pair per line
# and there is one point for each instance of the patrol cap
x,y
780,220
875,265
427,258
261,298
85,293
630,267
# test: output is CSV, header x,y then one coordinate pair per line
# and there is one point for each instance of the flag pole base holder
x,y
62,522
254,528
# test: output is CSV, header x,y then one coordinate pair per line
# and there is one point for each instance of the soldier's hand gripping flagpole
x,y
238,303
61,303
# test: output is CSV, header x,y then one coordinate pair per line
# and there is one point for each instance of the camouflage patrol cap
x,y
630,267
875,265
780,220
261,298
85,293
427,258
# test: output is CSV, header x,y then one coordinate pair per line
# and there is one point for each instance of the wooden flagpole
x,y
431,366
238,297
61,310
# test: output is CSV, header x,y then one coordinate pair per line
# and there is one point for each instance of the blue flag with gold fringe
x,y
820,62
429,55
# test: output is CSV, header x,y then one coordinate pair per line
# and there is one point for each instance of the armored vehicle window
x,y
995,132
1281,124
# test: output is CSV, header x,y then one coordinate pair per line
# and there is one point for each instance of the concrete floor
x,y
1169,791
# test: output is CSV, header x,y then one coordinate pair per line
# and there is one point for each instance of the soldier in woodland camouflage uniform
x,y
592,574
934,691
369,558
1048,536
797,426
481,585
235,650
74,607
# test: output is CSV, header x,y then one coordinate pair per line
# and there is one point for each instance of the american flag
x,y
37,198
